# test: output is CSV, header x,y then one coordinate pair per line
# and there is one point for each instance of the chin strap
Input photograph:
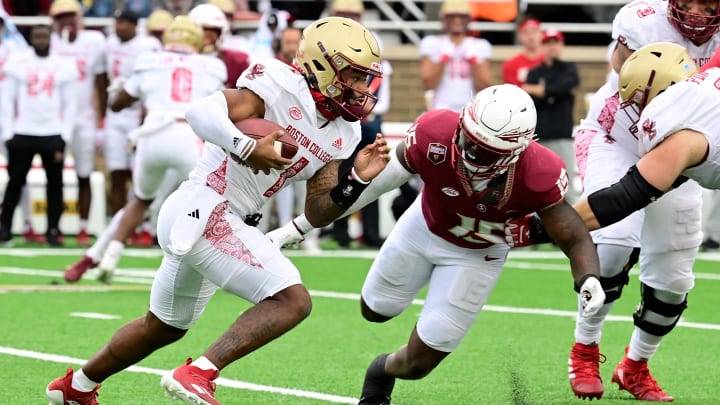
x,y
323,105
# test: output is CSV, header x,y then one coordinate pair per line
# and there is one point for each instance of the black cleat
x,y
378,386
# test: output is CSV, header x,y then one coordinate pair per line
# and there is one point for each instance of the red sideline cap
x,y
529,23
553,34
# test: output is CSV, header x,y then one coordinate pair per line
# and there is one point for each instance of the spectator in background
x,y
177,7
271,24
37,110
553,85
86,47
516,68
156,23
454,66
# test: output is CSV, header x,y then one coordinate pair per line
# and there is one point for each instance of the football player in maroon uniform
x,y
480,167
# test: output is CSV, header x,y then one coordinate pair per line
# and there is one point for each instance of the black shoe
x,y
54,238
709,244
5,237
378,386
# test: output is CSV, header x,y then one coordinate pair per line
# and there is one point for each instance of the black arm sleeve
x,y
628,195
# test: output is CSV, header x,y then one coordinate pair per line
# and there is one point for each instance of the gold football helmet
x,y
455,8
651,69
158,20
183,35
65,7
331,45
227,6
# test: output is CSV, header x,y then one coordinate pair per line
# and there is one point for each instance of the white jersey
x,y
456,85
36,92
119,60
7,48
88,52
644,22
289,103
690,104
167,82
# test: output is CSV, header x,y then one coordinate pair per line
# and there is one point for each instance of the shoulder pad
x,y
542,168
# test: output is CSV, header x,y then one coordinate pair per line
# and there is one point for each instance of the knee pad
x,y
654,316
613,285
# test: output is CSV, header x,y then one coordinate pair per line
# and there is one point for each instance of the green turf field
x,y
516,352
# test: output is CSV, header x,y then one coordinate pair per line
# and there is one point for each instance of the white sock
x,y
96,250
80,382
643,345
115,248
204,364
83,224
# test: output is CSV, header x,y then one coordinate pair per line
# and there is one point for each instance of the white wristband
x,y
243,145
357,178
302,224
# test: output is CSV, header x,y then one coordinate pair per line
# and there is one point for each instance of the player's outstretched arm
x,y
565,227
391,177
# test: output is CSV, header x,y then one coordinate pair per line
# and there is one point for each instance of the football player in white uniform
x,y
166,148
202,227
121,51
87,48
676,144
605,148
453,65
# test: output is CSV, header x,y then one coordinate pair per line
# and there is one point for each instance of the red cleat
x,y
61,392
634,377
584,371
29,236
74,272
143,239
191,384
83,238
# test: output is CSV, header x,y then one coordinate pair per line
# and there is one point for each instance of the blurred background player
x,y
167,149
86,47
231,41
122,49
453,65
156,23
529,35
215,27
37,109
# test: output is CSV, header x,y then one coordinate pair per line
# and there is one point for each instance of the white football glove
x,y
285,236
592,296
116,84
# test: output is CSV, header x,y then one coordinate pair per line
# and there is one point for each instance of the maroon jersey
x,y
463,217
235,62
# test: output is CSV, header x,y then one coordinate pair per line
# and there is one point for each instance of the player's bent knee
x,y
371,315
295,298
655,315
161,332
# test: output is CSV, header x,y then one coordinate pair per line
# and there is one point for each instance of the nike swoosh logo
x,y
490,258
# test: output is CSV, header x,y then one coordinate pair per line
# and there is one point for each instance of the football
x,y
257,128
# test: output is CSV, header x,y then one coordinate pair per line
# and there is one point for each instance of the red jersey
x,y
515,69
457,214
235,62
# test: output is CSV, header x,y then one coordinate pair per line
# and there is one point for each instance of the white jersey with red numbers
x,y
607,134
690,104
7,48
167,82
119,60
38,85
644,22
289,103
88,51
456,85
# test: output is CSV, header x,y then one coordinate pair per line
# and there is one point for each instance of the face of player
x,y
455,24
40,40
67,25
356,99
125,30
210,38
697,12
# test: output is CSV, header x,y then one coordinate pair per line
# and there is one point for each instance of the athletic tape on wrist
x,y
348,189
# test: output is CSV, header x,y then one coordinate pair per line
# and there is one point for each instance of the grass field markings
x,y
521,265
226,382
347,296
94,315
70,288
